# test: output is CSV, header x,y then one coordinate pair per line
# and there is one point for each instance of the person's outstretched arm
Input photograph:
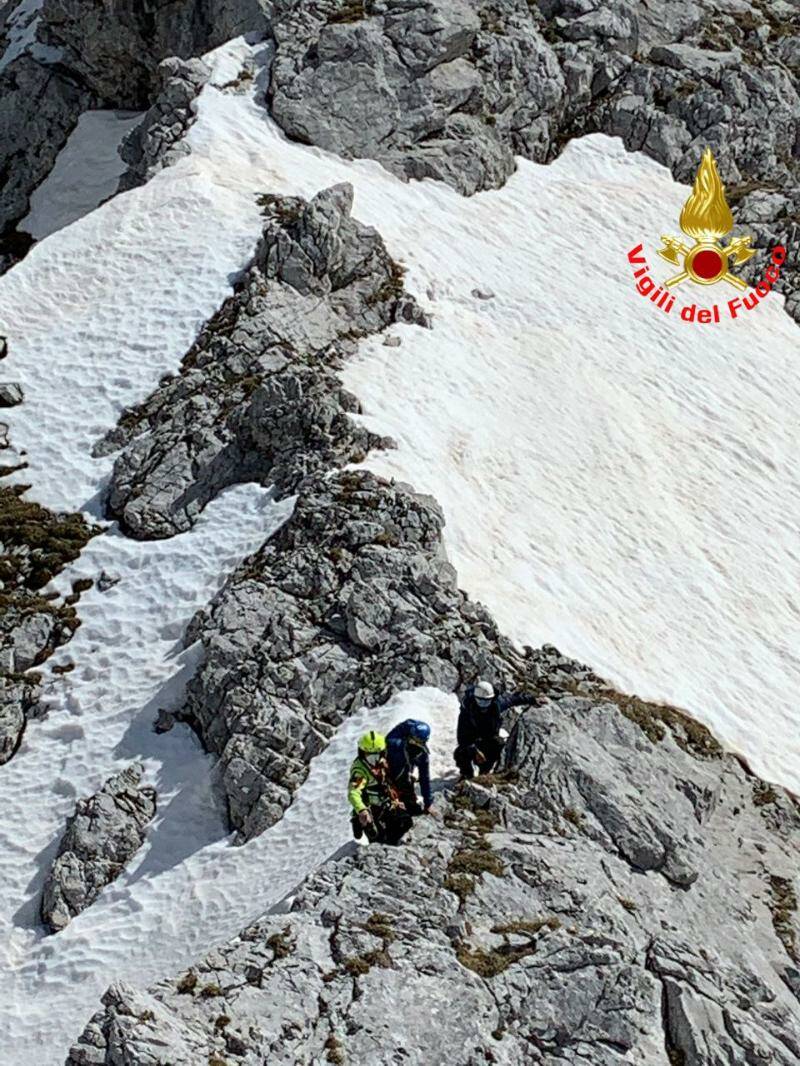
x,y
515,699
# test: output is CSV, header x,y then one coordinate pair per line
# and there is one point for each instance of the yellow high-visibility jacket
x,y
365,789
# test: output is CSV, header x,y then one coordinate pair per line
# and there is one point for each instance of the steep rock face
x,y
351,601
115,48
39,108
539,921
258,392
101,837
453,89
426,88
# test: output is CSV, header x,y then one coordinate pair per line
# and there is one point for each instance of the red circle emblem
x,y
707,264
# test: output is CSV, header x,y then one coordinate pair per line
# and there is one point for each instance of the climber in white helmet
x,y
480,722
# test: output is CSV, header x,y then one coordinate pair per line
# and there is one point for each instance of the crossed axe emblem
x,y
706,262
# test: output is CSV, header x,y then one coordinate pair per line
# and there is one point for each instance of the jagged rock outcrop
x,y
351,601
158,141
102,836
453,89
430,89
610,899
258,391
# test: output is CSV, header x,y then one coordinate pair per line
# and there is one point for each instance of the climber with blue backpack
x,y
407,752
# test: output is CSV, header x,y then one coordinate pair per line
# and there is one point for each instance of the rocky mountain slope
x,y
620,893
623,891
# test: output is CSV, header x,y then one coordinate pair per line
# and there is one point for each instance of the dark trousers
x,y
491,748
407,795
389,825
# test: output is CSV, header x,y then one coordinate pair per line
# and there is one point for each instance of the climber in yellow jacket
x,y
378,812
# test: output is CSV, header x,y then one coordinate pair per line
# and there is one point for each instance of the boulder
x,y
11,394
101,837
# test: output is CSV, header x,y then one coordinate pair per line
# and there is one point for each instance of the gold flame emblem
x,y
707,218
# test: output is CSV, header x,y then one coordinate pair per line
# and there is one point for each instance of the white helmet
x,y
484,691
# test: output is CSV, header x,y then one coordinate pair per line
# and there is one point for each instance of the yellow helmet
x,y
372,743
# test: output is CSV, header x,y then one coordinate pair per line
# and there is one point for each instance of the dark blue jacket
x,y
403,758
483,723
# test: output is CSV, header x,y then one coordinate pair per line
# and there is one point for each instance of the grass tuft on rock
x,y
281,943
381,925
53,540
528,926
350,11
491,962
764,794
187,983
654,719
783,906
334,1050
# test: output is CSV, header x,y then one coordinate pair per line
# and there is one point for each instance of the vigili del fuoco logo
x,y
706,219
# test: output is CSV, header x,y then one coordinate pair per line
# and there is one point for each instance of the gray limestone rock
x,y
16,700
158,140
515,928
453,89
430,89
259,387
11,394
101,837
349,602
27,640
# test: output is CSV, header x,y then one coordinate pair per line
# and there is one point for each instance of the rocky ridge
x,y
607,898
451,89
259,386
